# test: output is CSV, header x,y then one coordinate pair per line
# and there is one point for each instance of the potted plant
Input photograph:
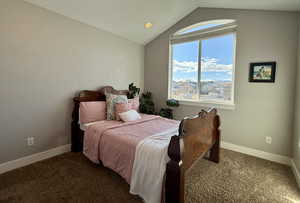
x,y
133,91
147,104
168,112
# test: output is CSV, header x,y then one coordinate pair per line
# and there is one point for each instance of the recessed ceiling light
x,y
148,25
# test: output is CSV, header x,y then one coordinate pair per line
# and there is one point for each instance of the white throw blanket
x,y
151,157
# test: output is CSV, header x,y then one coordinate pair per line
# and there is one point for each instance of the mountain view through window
x,y
202,70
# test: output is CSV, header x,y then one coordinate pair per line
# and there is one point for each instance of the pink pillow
x,y
92,111
135,103
121,108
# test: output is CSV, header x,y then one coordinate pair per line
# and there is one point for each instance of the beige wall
x,y
296,141
44,59
262,109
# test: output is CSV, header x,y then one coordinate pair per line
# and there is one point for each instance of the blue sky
x,y
217,59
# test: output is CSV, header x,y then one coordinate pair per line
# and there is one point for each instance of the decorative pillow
x,y
121,108
92,111
111,100
135,103
130,115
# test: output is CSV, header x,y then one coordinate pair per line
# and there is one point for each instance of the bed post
x,y
215,150
76,132
172,184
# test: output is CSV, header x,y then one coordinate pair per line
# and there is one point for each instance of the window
x,y
202,63
204,25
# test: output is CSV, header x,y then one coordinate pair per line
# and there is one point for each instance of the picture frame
x,y
262,72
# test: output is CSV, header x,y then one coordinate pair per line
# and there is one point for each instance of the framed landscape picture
x,y
262,72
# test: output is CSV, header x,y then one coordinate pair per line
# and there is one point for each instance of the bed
x,y
168,147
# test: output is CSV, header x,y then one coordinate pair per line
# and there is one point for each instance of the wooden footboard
x,y
197,137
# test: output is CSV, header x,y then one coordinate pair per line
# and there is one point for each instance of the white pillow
x,y
130,115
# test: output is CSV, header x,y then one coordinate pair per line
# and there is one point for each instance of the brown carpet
x,y
241,178
72,178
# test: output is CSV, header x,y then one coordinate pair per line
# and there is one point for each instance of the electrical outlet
x,y
269,140
30,141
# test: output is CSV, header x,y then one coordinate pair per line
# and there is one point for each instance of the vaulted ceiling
x,y
126,18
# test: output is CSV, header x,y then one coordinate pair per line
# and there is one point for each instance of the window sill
x,y
216,105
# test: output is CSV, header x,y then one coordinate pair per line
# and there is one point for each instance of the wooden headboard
x,y
87,96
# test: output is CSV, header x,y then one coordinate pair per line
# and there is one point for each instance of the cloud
x,y
207,65
185,66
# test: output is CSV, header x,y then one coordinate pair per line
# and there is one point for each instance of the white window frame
x,y
200,35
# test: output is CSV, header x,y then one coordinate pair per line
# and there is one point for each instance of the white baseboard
x,y
296,172
257,153
34,158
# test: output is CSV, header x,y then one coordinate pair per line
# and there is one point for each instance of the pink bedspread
x,y
114,142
